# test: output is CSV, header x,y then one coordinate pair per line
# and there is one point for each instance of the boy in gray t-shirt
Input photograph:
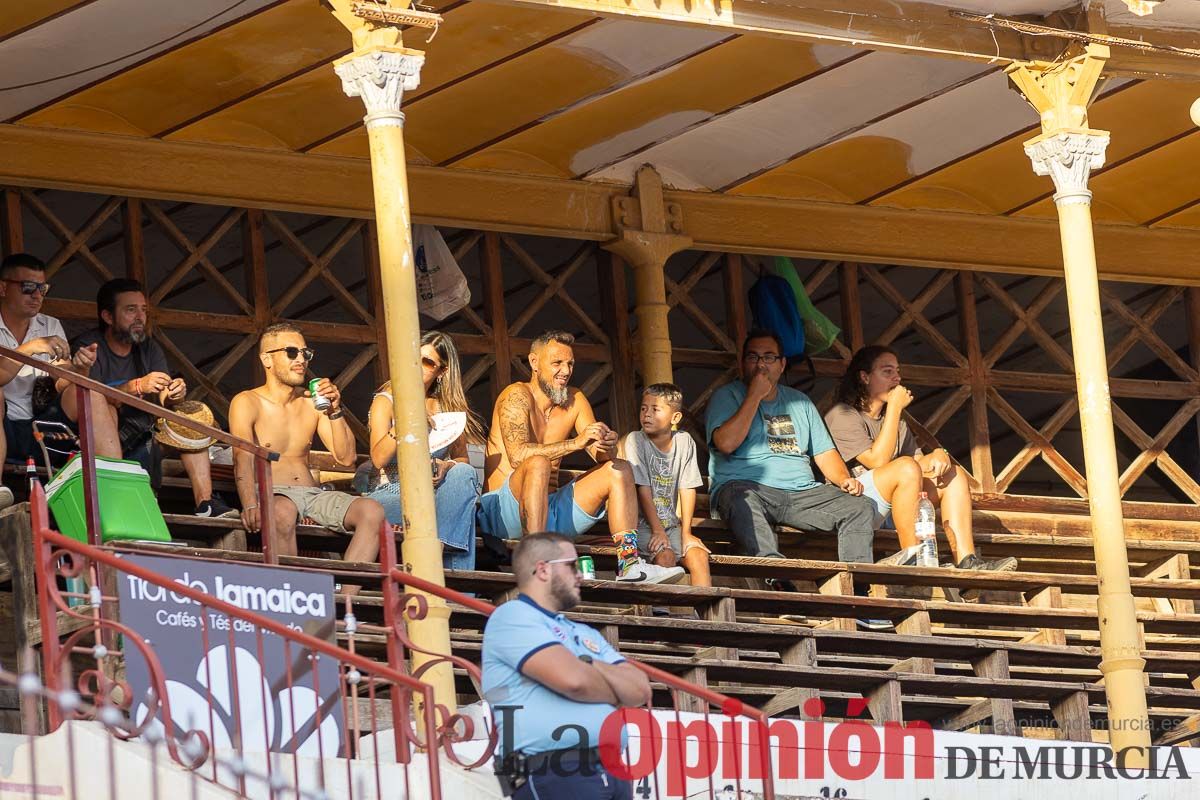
x,y
667,476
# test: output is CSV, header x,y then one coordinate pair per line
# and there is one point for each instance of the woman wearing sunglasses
x,y
456,485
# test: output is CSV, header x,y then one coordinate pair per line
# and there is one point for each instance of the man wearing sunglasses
x,y
764,437
128,358
553,681
23,327
280,415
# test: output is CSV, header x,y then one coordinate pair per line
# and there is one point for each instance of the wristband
x,y
337,414
585,658
137,386
248,508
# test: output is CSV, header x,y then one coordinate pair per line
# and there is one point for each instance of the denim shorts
x,y
883,509
500,513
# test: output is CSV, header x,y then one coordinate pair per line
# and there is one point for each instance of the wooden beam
x,y
995,666
735,298
1050,597
885,702
851,299
1192,299
254,265
370,250
1073,717
614,304
579,209
840,584
62,308
12,232
968,331
494,313
134,240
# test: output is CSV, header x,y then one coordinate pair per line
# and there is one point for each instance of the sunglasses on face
x,y
553,561
292,352
429,363
31,287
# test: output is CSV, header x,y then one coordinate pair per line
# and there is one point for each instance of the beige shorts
x,y
327,508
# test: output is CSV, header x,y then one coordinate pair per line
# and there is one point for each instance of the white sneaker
x,y
641,572
6,497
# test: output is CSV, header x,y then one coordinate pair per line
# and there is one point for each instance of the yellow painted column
x,y
380,74
1068,150
649,231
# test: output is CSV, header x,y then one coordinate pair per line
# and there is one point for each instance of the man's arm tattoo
x,y
517,435
514,426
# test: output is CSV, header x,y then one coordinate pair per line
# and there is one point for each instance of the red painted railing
x,y
94,633
413,604
83,387
59,556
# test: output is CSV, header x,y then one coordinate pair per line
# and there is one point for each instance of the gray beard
x,y
557,396
129,337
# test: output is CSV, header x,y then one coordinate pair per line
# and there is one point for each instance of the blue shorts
x,y
883,509
500,515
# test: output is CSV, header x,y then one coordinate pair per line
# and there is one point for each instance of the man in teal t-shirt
x,y
763,439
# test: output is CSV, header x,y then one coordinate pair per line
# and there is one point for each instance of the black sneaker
x,y
215,507
972,561
779,585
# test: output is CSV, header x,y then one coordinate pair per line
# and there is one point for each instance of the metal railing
x,y
359,678
685,695
95,641
83,387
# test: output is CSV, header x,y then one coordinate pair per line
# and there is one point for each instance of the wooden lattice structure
x,y
988,354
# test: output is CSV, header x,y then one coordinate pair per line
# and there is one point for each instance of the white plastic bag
x,y
441,286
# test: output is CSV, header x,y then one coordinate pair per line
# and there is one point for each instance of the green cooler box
x,y
128,508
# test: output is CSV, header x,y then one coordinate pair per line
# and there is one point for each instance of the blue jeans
x,y
455,499
592,782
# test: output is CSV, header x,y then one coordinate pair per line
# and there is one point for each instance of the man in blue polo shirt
x,y
763,439
552,682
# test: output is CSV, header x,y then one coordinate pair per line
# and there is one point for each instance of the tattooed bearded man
x,y
534,426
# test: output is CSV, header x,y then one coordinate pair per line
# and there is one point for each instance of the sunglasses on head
x,y
31,287
292,352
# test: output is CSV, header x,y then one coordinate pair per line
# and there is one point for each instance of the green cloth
x,y
819,331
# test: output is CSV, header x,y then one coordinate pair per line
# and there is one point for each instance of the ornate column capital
x,y
1068,157
380,76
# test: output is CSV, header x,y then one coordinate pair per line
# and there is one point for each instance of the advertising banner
x,y
221,675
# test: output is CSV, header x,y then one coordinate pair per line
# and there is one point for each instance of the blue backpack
x,y
773,306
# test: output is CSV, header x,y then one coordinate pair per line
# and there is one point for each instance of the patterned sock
x,y
626,542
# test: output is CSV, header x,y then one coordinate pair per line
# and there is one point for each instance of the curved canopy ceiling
x,y
527,88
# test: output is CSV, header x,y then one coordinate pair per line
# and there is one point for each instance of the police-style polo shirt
x,y
515,631
18,393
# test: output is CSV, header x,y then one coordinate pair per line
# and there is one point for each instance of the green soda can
x,y
320,402
587,568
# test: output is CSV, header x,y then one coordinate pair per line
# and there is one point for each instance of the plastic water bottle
x,y
926,533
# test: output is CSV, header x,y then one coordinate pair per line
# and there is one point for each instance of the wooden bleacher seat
x,y
1025,654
